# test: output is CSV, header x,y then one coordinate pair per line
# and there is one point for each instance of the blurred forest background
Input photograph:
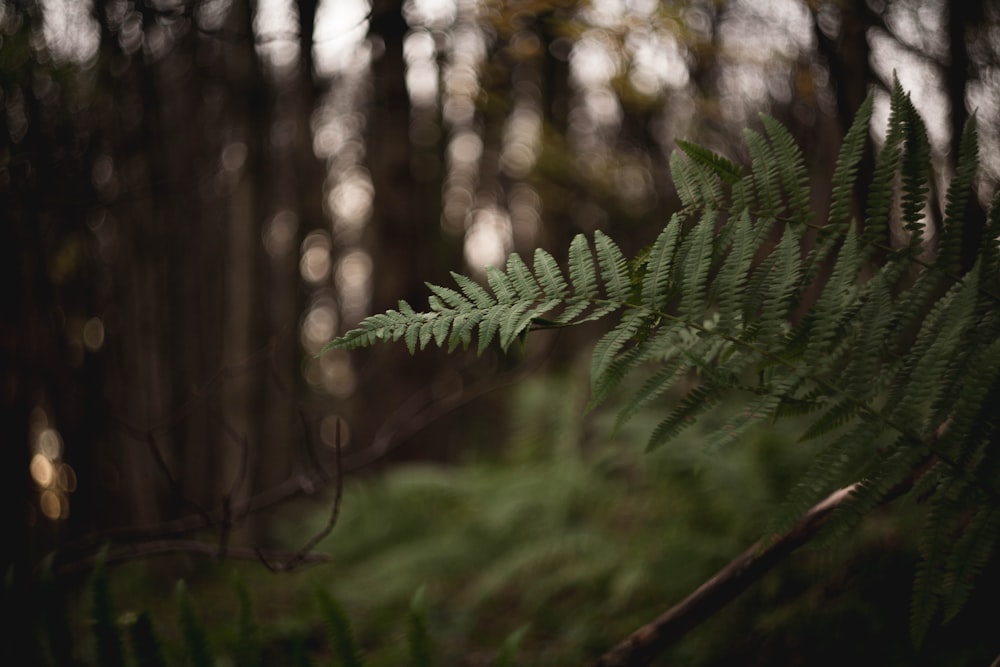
x,y
196,195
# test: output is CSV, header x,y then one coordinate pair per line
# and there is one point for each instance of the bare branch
x,y
140,550
302,555
643,645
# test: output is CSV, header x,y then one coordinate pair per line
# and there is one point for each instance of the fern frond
x,y
832,311
881,195
447,298
582,273
780,286
656,283
874,326
609,345
697,186
731,280
419,642
846,170
338,624
474,291
501,285
842,198
969,556
989,247
766,174
614,267
842,458
889,468
248,643
880,346
791,171
764,408
960,190
520,276
192,628
697,401
549,275
654,387
916,172
974,402
730,172
929,360
508,650
937,539
696,251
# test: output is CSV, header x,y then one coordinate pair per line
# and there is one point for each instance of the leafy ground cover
x,y
564,542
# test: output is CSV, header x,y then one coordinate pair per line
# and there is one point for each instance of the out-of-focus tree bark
x,y
400,236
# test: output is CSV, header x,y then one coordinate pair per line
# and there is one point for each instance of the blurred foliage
x,y
550,551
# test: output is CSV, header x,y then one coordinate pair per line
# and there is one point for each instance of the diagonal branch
x,y
643,645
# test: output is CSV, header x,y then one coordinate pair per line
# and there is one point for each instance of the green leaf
x,y
582,272
656,283
614,268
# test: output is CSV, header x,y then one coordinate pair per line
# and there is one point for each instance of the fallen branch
x,y
643,645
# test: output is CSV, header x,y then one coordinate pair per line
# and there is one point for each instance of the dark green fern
x,y
344,644
195,638
871,329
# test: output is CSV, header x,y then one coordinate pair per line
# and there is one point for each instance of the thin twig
x,y
141,550
302,555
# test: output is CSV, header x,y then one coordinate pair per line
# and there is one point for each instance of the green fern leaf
x,y
461,330
342,639
731,281
960,191
656,283
791,171
846,170
663,380
446,298
697,401
248,643
490,325
881,194
780,286
937,539
614,268
193,630
766,176
969,556
549,276
419,642
582,271
610,344
508,650
501,285
520,275
474,291
696,251
730,172
888,469
843,458
685,182
915,170
516,320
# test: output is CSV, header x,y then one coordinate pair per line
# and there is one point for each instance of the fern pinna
x,y
870,328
